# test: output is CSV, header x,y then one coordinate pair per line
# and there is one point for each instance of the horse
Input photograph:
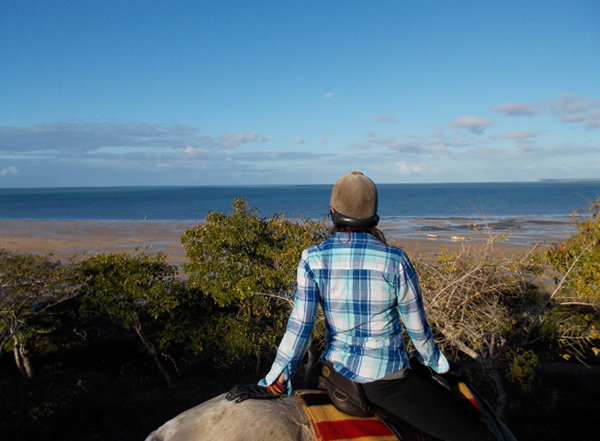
x,y
286,418
221,420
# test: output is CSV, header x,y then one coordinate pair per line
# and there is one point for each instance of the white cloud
x,y
485,151
574,118
515,109
405,168
460,141
298,140
323,140
570,103
577,106
9,171
434,145
528,146
412,146
266,138
229,140
75,138
360,146
520,134
383,118
330,95
576,109
471,123
190,152
594,122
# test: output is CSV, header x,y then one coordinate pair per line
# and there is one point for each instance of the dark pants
x,y
425,404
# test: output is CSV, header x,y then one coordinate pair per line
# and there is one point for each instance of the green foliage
x,y
30,286
122,286
125,288
522,369
188,329
579,256
576,263
247,265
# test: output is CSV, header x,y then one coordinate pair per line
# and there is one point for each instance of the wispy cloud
x,y
298,140
229,140
515,109
528,146
574,118
330,95
383,118
9,171
81,138
570,103
576,109
520,134
405,168
471,123
78,138
414,146
594,121
523,139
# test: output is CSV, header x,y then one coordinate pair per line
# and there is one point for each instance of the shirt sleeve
x,y
300,325
412,313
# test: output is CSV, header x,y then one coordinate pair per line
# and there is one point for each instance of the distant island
x,y
570,180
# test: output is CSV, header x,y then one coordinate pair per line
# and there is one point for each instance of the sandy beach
x,y
77,239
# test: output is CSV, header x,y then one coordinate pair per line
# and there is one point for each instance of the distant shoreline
x,y
569,180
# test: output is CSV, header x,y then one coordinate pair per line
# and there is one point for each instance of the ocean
x,y
405,209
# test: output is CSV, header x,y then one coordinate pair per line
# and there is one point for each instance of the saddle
x,y
348,397
344,393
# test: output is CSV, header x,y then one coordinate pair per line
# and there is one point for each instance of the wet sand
x,y
77,239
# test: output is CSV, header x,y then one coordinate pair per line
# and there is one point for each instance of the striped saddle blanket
x,y
330,424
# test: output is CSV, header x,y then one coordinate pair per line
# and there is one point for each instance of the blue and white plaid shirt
x,y
365,289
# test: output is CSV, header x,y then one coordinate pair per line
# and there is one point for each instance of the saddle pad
x,y
463,393
329,424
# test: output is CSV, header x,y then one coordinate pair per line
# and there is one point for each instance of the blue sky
x,y
103,93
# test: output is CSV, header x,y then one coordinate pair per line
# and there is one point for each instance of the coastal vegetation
x,y
112,345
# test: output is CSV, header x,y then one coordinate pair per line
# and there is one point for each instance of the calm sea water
x,y
407,208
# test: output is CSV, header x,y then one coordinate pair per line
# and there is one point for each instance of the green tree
x,y
576,262
126,288
579,256
30,286
247,265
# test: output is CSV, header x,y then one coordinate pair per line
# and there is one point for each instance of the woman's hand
x,y
242,392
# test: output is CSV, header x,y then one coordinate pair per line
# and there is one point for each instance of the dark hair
x,y
373,231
